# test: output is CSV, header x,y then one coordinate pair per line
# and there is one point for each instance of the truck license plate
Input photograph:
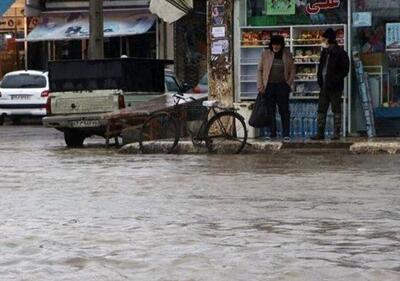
x,y
85,123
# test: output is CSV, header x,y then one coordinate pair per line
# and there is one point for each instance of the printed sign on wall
x,y
393,36
281,7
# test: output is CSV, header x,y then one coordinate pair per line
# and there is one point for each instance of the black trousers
x,y
278,95
330,97
333,98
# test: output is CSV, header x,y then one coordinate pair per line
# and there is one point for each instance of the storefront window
x,y
376,35
295,12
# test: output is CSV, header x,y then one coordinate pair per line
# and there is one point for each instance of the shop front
x,y
375,33
371,28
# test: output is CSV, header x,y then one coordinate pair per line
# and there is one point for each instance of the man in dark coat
x,y
332,70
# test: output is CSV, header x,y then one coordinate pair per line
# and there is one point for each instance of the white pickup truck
x,y
81,92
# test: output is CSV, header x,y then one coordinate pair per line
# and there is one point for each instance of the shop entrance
x,y
376,36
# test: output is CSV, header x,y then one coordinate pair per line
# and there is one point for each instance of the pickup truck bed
x,y
82,91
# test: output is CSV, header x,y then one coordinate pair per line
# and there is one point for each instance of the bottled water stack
x,y
303,121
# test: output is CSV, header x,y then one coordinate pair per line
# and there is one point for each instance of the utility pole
x,y
96,42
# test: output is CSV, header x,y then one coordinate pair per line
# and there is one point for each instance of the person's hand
x,y
261,90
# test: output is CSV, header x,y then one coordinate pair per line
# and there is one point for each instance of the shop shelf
x,y
304,97
310,62
249,63
305,80
306,45
249,93
249,60
306,92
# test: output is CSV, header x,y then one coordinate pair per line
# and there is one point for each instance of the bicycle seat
x,y
210,103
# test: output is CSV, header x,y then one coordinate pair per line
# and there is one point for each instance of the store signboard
x,y
7,23
299,12
318,6
393,36
76,26
281,7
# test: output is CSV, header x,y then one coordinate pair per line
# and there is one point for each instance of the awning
x,y
72,26
5,5
171,10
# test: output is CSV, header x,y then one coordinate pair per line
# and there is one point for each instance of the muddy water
x,y
91,214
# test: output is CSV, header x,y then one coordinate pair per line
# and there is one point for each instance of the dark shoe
x,y
321,120
318,137
335,137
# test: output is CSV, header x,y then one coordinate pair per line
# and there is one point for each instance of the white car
x,y
23,93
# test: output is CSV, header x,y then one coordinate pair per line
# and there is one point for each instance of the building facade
x,y
369,28
62,31
11,27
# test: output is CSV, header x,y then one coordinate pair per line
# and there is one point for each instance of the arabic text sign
x,y
320,5
393,36
281,7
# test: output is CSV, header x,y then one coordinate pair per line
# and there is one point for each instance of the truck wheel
x,y
1,120
16,120
73,138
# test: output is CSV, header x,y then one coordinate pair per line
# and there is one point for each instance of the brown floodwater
x,y
93,214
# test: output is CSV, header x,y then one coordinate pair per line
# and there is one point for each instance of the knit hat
x,y
330,34
277,40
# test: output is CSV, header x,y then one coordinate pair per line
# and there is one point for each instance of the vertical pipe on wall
x,y
25,42
236,49
120,47
157,39
96,36
350,50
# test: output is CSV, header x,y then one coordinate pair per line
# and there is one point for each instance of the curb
x,y
187,147
375,148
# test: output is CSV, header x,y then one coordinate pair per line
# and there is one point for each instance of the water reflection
x,y
92,214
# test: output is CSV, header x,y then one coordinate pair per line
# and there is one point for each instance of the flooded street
x,y
93,214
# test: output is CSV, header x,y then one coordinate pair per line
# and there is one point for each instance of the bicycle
x,y
225,131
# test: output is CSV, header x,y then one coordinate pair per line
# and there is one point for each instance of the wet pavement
x,y
93,214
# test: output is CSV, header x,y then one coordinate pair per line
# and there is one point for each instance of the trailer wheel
x,y
73,138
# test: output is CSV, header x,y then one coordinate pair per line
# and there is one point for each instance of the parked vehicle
x,y
202,87
23,93
171,84
83,91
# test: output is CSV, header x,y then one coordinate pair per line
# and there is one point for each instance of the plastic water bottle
x,y
279,126
306,117
294,120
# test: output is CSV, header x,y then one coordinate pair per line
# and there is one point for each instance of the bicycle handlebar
x,y
182,97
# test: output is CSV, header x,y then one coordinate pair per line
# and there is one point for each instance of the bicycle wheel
x,y
159,134
226,132
199,138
